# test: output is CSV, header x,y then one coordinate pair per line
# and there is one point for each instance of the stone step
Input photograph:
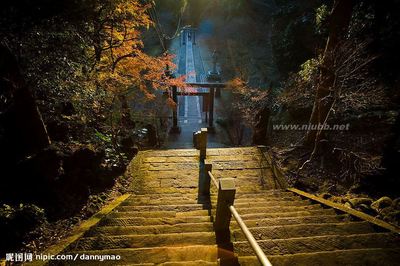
x,y
155,196
311,212
155,255
150,229
141,241
176,208
162,201
171,190
138,221
249,189
275,203
266,199
228,158
177,263
295,220
190,263
157,214
277,209
264,194
350,257
304,230
320,243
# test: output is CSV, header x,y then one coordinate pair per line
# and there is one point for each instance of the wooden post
x,y
226,198
202,143
175,128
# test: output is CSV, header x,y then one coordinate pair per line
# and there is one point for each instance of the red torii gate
x,y
211,94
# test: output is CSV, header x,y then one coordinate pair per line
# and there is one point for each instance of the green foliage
x,y
25,215
308,69
17,221
296,35
102,137
321,18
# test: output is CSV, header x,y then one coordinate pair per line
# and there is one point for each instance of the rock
x,y
358,201
348,205
394,217
365,209
386,211
326,196
389,214
396,203
381,203
338,199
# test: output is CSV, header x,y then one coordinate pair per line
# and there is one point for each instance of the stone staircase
x,y
295,231
165,222
155,229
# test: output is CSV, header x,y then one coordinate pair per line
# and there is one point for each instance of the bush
x,y
16,222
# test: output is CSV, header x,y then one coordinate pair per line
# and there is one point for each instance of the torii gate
x,y
188,38
210,94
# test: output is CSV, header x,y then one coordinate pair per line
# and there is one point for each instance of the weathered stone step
x,y
260,204
253,216
176,208
305,230
294,220
228,158
162,201
321,243
157,214
172,166
261,198
236,165
277,209
265,199
264,194
249,189
170,159
350,257
151,229
190,263
177,263
156,255
137,221
141,241
163,195
171,189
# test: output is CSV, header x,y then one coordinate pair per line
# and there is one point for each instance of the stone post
x,y
207,180
226,198
202,143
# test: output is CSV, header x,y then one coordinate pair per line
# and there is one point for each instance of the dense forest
x,y
84,87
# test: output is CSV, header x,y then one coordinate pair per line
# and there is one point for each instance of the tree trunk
x,y
339,22
24,124
261,127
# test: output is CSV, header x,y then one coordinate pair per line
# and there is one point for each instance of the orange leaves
x,y
123,65
248,100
